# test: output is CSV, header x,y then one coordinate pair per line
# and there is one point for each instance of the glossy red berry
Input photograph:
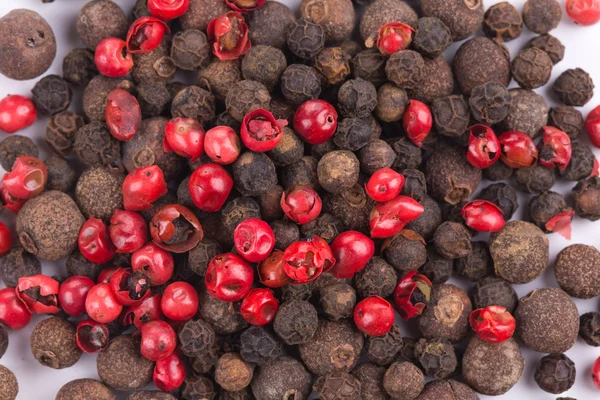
x,y
16,113
315,121
417,122
583,12
123,115
175,228
493,324
210,186
10,202
245,6
304,261
13,312
130,287
72,294
5,239
271,272
179,301
393,37
352,250
301,204
228,277
39,293
91,336
27,178
148,310
483,216
128,231
112,58
229,34
484,147
374,316
184,136
169,373
222,145
412,294
596,373
155,262
561,224
105,275
253,239
518,150
384,185
95,243
168,9
592,124
260,130
158,340
142,187
391,217
259,307
555,148
146,34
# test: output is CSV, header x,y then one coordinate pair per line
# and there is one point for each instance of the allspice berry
x,y
151,395
370,377
336,384
438,80
53,343
121,366
89,389
9,387
447,389
338,170
541,16
15,146
446,314
282,378
463,18
100,19
219,76
269,25
337,17
403,381
48,225
232,373
577,269
98,193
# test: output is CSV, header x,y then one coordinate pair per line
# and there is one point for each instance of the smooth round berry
x,y
210,186
102,305
417,122
222,145
13,312
155,262
583,12
123,115
39,293
315,121
518,150
169,373
301,204
147,310
374,316
27,178
253,239
493,324
483,216
179,301
228,277
72,294
261,131
484,147
166,10
16,113
384,185
130,287
176,228
185,136
95,243
91,336
352,250
5,239
158,340
389,218
128,231
271,272
145,34
259,307
142,187
112,58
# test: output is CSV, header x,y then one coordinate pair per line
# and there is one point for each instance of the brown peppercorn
x,y
541,16
446,314
282,378
15,146
439,82
447,389
437,268
289,150
254,173
259,346
79,67
383,350
555,373
337,301
547,321
61,175
98,193
528,113
574,87
121,366
9,388
285,233
333,63
302,293
492,368
370,65
224,317
545,206
497,172
202,254
589,328
153,98
201,12
352,133
18,263
53,343
551,45
568,119
338,171
270,24
90,389
450,177
462,18
405,68
98,20
190,49
376,155
352,206
531,68
370,377
61,131
432,37
237,210
577,269
403,381
219,76
351,47
194,102
357,98
150,395
453,240
96,92
337,17
264,64
391,103
586,195
198,387
582,163
232,373
494,291
325,226
377,278
503,22
337,385
96,147
154,66
536,179
300,83
270,208
490,102
296,322
245,96
451,115
51,95
380,12
27,44
78,265
405,251
476,265
436,357
503,195
196,338
306,38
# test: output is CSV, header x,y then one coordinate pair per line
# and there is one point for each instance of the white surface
x,y
583,49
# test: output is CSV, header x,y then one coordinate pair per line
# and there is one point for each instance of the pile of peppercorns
x,y
310,184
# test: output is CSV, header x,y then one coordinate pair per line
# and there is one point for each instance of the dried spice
x,y
306,38
96,92
237,210
383,350
10,387
581,164
405,69
375,155
338,171
86,388
98,20
254,173
370,65
61,175
280,377
198,387
494,291
391,103
451,115
96,147
476,265
377,278
151,395
503,195
245,96
194,102
441,388
589,328
98,193
503,22
51,95
196,338
370,377
536,179
576,268
219,76
61,131
224,317
415,184
437,268
201,12
403,380
326,226
541,16
154,66
555,373
490,103
531,68
462,18
121,366
497,172
296,322
408,156
285,233
551,45
380,12
568,119
574,87
452,240
53,343
432,37
450,177
153,98
232,373
357,98
544,207
528,113
337,301
446,314
18,263
190,49
13,147
405,251
258,346
436,357
79,67
440,82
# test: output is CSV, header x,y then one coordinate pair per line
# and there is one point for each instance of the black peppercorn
x,y
338,171
437,268
586,195
336,385
497,172
337,301
476,265
536,179
494,291
96,92
205,363
574,87
408,156
96,147
391,103
403,381
53,343
551,45
352,206
589,328
61,131
270,208
198,387
153,98
285,233
13,147
264,64
300,83
333,64
450,177
451,115
439,389
568,119
490,102
377,278
296,322
415,184
531,68
452,240
503,22
150,395
78,265
370,377
254,173
326,226
194,102
258,346
545,206
98,20
376,155
98,193
432,37
51,95
9,388
577,270
352,134
224,317
201,12
357,98
405,251
219,77
154,66
581,164
453,323
382,350
79,67
503,195
61,175
269,25
245,96
196,338
370,65
190,49
337,17
555,373
439,82
462,18
436,357
282,377
237,210
405,69
202,254
306,38
301,293
541,16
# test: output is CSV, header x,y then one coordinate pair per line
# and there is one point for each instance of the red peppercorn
x,y
130,287
210,186
222,145
146,34
555,148
596,373
561,224
16,113
13,312
484,146
493,324
417,122
261,131
155,262
112,58
5,239
142,187
91,336
229,34
169,373
105,275
518,150
179,301
592,124
228,277
95,243
304,261
374,316
72,293
245,6
123,115
168,9
184,136
158,340
27,179
315,121
259,306
412,294
253,239
39,293
301,204
393,37
595,170
10,202
583,12
128,231
271,272
384,185
352,250
390,217
483,216
167,228
148,310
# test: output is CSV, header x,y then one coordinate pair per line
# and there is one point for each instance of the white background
x,y
583,50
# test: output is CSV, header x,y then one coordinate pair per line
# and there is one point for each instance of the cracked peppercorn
x,y
555,373
490,102
296,322
436,357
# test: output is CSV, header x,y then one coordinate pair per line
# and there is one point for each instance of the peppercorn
x,y
237,210
285,233
574,87
453,322
232,373
9,387
326,226
3,341
96,92
415,184
352,134
370,377
121,366
503,195
196,338
451,115
403,381
439,82
352,206
377,278
357,98
61,131
432,37
98,20
190,49
98,193
437,268
452,389
194,102
494,291
153,98
555,373
96,147
301,293
585,196
490,102
589,328
296,322
531,68
198,387
551,45
245,96
478,61
408,156
497,172
462,18
269,73
581,164
53,343
380,12
382,350
376,155
536,179
436,357
258,346
391,103
452,240
476,265
78,265
201,12
13,147
337,301
154,66
336,385
336,17
219,76
84,388
544,207
151,395
577,271
541,16
51,95
61,175
370,65
300,83
406,251
492,368
503,22
547,321
270,207
306,38
284,376
405,68
79,67
205,363
450,177
254,173
224,317
338,171
568,119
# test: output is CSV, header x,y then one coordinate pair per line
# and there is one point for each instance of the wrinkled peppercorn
x,y
78,265
545,206
382,350
476,265
352,134
198,387
451,115
432,37
269,25
391,103
190,49
326,226
232,372
503,22
296,322
436,357
415,184
194,102
503,195
79,67
555,373
224,317
61,131
586,195
581,164
153,98
492,290
16,264
405,69
285,233
336,384
531,68
408,156
96,147
15,146
568,119
437,268
541,16
306,38
551,45
380,12
61,175
245,96
589,328
337,301
258,346
301,293
51,95
300,83
498,172
237,210
453,323
121,366
490,102
196,338
452,240
338,171
406,251
268,73
254,173
357,98
377,278
333,64
536,179
370,377
574,87
219,76
370,65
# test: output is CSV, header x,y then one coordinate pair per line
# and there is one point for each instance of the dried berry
x,y
462,18
490,103
296,322
61,175
153,98
498,172
567,119
224,317
503,22
503,195
452,240
391,103
338,171
546,206
300,83
476,265
536,179
96,147
357,98
370,377
405,69
451,115
196,338
121,366
198,387
415,184
53,343
436,357
370,65
201,12
79,67
51,95
254,173
306,38
61,131
254,66
555,373
337,384
589,328
494,291
453,322
541,16
440,82
86,388
403,380
378,278
258,346
151,395
18,263
96,92
383,350
551,45
432,37
245,96
337,301
10,387
531,68
13,147
408,156
437,268
450,177
336,17
190,49
352,134
574,87
438,389
528,113
98,193
100,19
405,251
282,377
232,373
194,102
270,24
576,268
219,76
381,12
154,66
333,64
